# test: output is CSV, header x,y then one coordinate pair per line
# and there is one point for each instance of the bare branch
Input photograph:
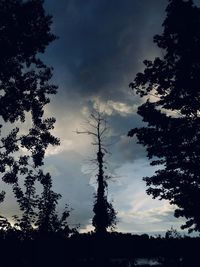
x,y
86,132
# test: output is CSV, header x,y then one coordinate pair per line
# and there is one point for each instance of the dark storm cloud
x,y
101,47
123,148
127,150
102,43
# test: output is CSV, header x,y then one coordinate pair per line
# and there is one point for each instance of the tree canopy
x,y
170,90
25,90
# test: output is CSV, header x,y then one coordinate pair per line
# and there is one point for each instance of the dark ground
x,y
89,250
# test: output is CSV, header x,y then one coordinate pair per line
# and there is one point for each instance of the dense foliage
x,y
25,90
169,87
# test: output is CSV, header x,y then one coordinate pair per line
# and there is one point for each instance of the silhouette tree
x,y
48,220
104,213
25,88
28,202
169,87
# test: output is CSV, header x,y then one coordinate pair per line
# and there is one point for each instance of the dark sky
x,y
101,46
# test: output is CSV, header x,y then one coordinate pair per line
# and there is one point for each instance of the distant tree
x,y
172,234
28,202
39,212
25,87
170,89
48,220
104,213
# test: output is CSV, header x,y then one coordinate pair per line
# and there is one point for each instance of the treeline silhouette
x,y
169,88
111,249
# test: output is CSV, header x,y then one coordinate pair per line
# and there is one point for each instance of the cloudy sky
x,y
101,46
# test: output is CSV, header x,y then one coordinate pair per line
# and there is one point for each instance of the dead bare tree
x,y
104,213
